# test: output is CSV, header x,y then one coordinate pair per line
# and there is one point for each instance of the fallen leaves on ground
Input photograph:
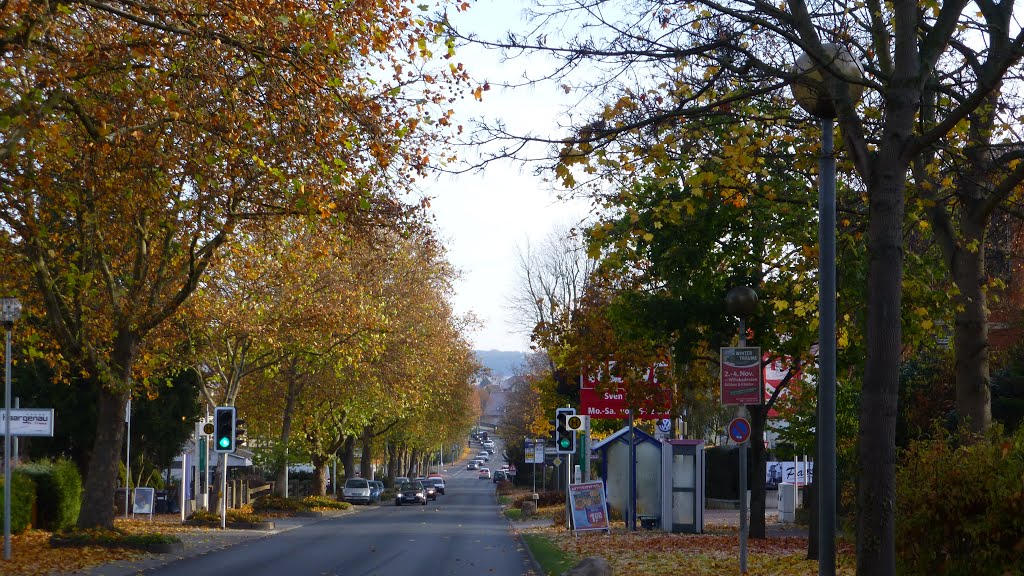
x,y
656,554
32,555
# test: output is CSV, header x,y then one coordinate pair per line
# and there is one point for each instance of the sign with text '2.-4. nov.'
x,y
604,394
741,376
28,422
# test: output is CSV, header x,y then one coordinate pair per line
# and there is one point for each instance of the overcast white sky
x,y
483,217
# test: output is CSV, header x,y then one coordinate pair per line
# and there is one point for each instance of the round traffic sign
x,y
739,430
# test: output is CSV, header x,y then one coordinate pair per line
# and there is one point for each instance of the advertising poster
x,y
143,503
741,376
588,506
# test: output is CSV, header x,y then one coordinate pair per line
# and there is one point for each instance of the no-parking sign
x,y
739,430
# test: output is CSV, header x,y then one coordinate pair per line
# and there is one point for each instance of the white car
x,y
356,491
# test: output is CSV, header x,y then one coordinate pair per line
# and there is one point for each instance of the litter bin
x,y
162,504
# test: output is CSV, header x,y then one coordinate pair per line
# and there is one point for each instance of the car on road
x,y
438,483
357,491
498,476
430,489
473,464
411,492
483,456
488,443
485,474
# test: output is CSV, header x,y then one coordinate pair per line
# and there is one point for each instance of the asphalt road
x,y
462,533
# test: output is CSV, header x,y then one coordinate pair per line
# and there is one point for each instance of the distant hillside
x,y
500,362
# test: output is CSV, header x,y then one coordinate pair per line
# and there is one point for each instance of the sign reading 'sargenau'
x,y
741,376
604,394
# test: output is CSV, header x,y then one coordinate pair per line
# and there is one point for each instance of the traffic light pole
x,y
224,493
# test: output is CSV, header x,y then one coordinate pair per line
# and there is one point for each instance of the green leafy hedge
x,y
23,497
58,493
960,506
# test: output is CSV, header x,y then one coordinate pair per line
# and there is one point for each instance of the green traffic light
x,y
225,442
563,442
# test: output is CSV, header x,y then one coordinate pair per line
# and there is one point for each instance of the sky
x,y
484,216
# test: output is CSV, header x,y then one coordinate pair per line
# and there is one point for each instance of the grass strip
x,y
551,558
514,514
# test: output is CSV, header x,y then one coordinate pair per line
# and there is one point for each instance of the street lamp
x,y
10,311
741,302
812,92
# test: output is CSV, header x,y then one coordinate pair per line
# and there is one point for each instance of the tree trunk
x,y
414,461
758,417
392,471
366,463
348,457
97,509
321,472
970,336
215,494
281,486
876,497
813,535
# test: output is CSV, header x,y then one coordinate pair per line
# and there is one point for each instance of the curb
x,y
518,538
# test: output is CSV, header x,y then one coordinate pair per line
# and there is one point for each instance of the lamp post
x,y
741,302
10,311
812,93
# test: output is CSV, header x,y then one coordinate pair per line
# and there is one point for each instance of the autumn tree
x,y
648,66
136,138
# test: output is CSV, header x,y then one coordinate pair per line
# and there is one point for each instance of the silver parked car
x,y
357,491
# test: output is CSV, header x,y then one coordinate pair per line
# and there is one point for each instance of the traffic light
x,y
224,429
565,438
241,439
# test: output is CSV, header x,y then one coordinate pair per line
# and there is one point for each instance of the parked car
x,y
499,476
411,492
357,491
376,489
438,483
485,474
380,489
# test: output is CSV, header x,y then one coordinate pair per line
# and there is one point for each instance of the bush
x,y
960,507
23,497
232,515
325,502
58,493
275,503
549,498
504,488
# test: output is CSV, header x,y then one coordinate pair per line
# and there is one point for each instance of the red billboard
x,y
609,399
741,376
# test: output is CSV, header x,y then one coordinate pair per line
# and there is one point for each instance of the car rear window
x,y
356,483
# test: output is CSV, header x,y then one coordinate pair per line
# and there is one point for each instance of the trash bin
x,y
162,504
119,502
